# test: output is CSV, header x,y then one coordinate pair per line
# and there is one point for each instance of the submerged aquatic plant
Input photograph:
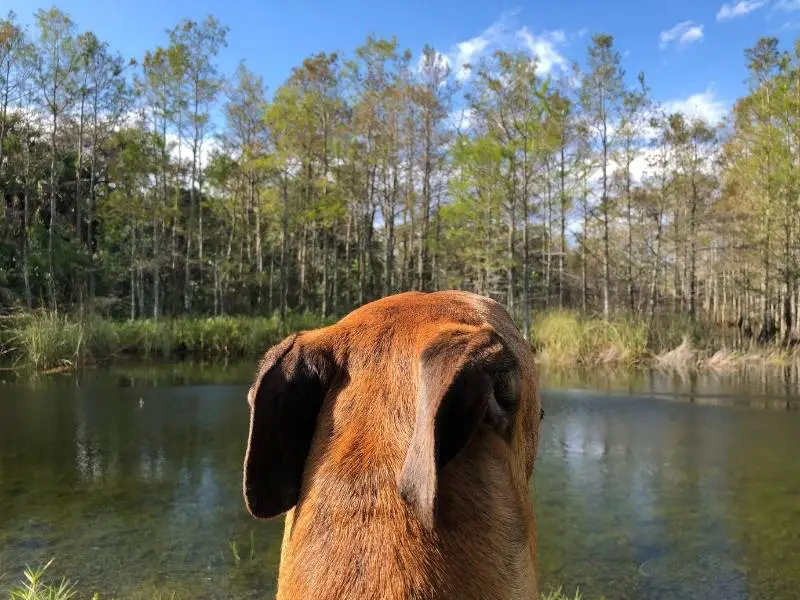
x,y
234,546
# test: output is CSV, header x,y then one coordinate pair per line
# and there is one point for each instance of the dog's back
x,y
425,413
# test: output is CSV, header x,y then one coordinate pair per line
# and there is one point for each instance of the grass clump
x,y
566,338
559,594
44,340
33,586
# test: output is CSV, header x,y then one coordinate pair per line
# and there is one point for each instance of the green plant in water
x,y
558,594
252,546
234,546
235,551
34,588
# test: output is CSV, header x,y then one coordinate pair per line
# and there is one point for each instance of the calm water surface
x,y
647,486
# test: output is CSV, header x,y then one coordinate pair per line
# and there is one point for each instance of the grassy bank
x,y
43,341
563,338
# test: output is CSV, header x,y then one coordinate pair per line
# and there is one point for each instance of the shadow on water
x,y
131,478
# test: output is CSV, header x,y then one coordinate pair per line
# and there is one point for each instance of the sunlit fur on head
x,y
400,443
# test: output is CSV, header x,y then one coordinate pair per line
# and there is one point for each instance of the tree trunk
x,y
51,283
335,286
78,169
424,284
511,243
388,280
585,237
4,111
788,270
285,248
26,215
348,267
548,237
302,253
325,267
631,296
259,251
436,240
606,247
133,272
693,253
563,226
526,267
271,305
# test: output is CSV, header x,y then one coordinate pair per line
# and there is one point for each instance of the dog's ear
x,y
467,376
285,400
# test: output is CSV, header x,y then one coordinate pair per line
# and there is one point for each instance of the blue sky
x,y
691,50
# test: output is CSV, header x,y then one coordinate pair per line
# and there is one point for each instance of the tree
x,y
55,65
602,98
13,52
194,46
510,100
246,141
433,95
692,143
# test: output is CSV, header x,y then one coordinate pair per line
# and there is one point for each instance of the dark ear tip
x,y
252,505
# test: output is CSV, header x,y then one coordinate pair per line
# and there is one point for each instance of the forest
x,y
157,186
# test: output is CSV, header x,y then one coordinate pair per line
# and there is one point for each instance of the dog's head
x,y
464,374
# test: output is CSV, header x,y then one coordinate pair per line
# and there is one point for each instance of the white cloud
x,y
703,104
503,34
788,5
543,47
682,34
694,34
740,9
468,51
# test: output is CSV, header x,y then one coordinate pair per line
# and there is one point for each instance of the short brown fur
x,y
401,441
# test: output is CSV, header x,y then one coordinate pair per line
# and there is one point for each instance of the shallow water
x,y
647,486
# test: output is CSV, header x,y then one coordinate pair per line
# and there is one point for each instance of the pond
x,y
647,486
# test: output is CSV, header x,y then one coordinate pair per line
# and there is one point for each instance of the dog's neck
x,y
352,536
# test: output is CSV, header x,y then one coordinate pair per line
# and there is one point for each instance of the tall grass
x,y
44,340
567,338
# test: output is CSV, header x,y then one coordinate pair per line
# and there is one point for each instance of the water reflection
x,y
134,485
652,499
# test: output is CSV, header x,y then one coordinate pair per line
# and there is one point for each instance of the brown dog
x,y
401,440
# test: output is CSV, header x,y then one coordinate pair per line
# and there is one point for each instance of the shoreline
x,y
46,343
